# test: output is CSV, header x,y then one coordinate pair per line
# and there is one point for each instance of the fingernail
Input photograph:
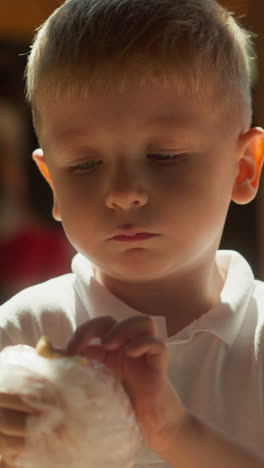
x,y
95,342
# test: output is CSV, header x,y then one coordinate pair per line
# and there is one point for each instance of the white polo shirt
x,y
216,363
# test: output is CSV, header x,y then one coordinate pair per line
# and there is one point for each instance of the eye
x,y
85,167
167,158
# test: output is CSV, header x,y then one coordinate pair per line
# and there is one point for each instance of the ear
x,y
39,158
251,157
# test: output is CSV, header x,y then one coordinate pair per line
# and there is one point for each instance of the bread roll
x,y
84,420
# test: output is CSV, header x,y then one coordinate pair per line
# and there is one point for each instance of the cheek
x,y
76,194
79,208
197,202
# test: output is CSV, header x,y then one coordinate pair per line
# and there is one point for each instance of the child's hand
x,y
13,415
133,351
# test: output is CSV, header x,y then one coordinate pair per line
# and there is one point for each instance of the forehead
x,y
169,102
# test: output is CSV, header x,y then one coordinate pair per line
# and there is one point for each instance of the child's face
x,y
108,163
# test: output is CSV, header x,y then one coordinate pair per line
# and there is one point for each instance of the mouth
x,y
138,237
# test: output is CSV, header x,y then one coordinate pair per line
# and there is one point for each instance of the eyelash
x,y
168,157
82,168
164,158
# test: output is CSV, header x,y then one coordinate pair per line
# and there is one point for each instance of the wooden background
x,y
19,18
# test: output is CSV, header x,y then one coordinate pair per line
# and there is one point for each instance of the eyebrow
x,y
170,120
167,121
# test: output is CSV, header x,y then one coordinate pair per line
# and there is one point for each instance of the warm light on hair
x,y
87,43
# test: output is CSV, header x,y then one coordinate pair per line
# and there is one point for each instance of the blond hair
x,y
87,43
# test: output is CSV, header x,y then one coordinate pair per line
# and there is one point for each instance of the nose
x,y
126,191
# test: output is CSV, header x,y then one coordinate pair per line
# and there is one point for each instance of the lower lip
x,y
137,237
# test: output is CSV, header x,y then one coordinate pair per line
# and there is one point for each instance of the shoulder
x,y
255,314
49,294
259,289
257,300
257,303
46,308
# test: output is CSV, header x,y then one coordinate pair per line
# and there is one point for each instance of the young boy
x,y
143,114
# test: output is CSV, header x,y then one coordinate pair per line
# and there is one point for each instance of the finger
x,y
153,348
96,353
12,401
112,360
127,330
95,328
13,423
145,345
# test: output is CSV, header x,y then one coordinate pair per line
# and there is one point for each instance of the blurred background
x,y
33,247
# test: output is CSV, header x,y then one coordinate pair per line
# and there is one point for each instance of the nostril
x,y
126,196
125,201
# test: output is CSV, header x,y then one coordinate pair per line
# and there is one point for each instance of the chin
x,y
138,271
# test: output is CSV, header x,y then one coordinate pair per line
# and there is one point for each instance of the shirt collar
x,y
223,320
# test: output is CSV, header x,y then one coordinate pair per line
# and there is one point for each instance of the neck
x,y
180,298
